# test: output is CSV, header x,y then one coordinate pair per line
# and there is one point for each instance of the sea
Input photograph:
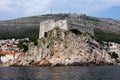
x,y
61,73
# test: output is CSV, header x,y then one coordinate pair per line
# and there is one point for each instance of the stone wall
x,y
45,26
81,27
48,25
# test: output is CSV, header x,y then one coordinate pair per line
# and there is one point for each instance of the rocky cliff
x,y
60,47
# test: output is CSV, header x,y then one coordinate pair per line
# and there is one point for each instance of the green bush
x,y
33,39
22,46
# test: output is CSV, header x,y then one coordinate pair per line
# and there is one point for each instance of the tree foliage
x,y
21,33
106,36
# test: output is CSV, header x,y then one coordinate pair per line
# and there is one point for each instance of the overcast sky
x,y
11,9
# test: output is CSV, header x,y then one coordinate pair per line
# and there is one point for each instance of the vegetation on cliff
x,y
22,33
102,35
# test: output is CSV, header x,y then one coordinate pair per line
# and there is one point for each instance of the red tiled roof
x,y
8,52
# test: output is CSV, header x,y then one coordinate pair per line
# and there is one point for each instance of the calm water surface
x,y
60,73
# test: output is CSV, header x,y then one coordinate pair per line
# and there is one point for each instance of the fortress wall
x,y
48,25
62,24
80,27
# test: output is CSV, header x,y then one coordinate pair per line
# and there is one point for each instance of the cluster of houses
x,y
9,49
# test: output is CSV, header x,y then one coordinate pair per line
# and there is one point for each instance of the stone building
x,y
47,25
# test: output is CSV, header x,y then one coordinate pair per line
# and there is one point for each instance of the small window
x,y
45,34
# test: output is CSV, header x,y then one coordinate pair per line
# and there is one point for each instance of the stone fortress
x,y
48,25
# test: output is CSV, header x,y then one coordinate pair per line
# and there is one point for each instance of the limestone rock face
x,y
60,47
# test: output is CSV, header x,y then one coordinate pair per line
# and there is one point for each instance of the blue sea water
x,y
61,73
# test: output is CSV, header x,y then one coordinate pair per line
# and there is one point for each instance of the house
x,y
6,55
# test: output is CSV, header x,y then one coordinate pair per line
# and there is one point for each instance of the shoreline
x,y
61,65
